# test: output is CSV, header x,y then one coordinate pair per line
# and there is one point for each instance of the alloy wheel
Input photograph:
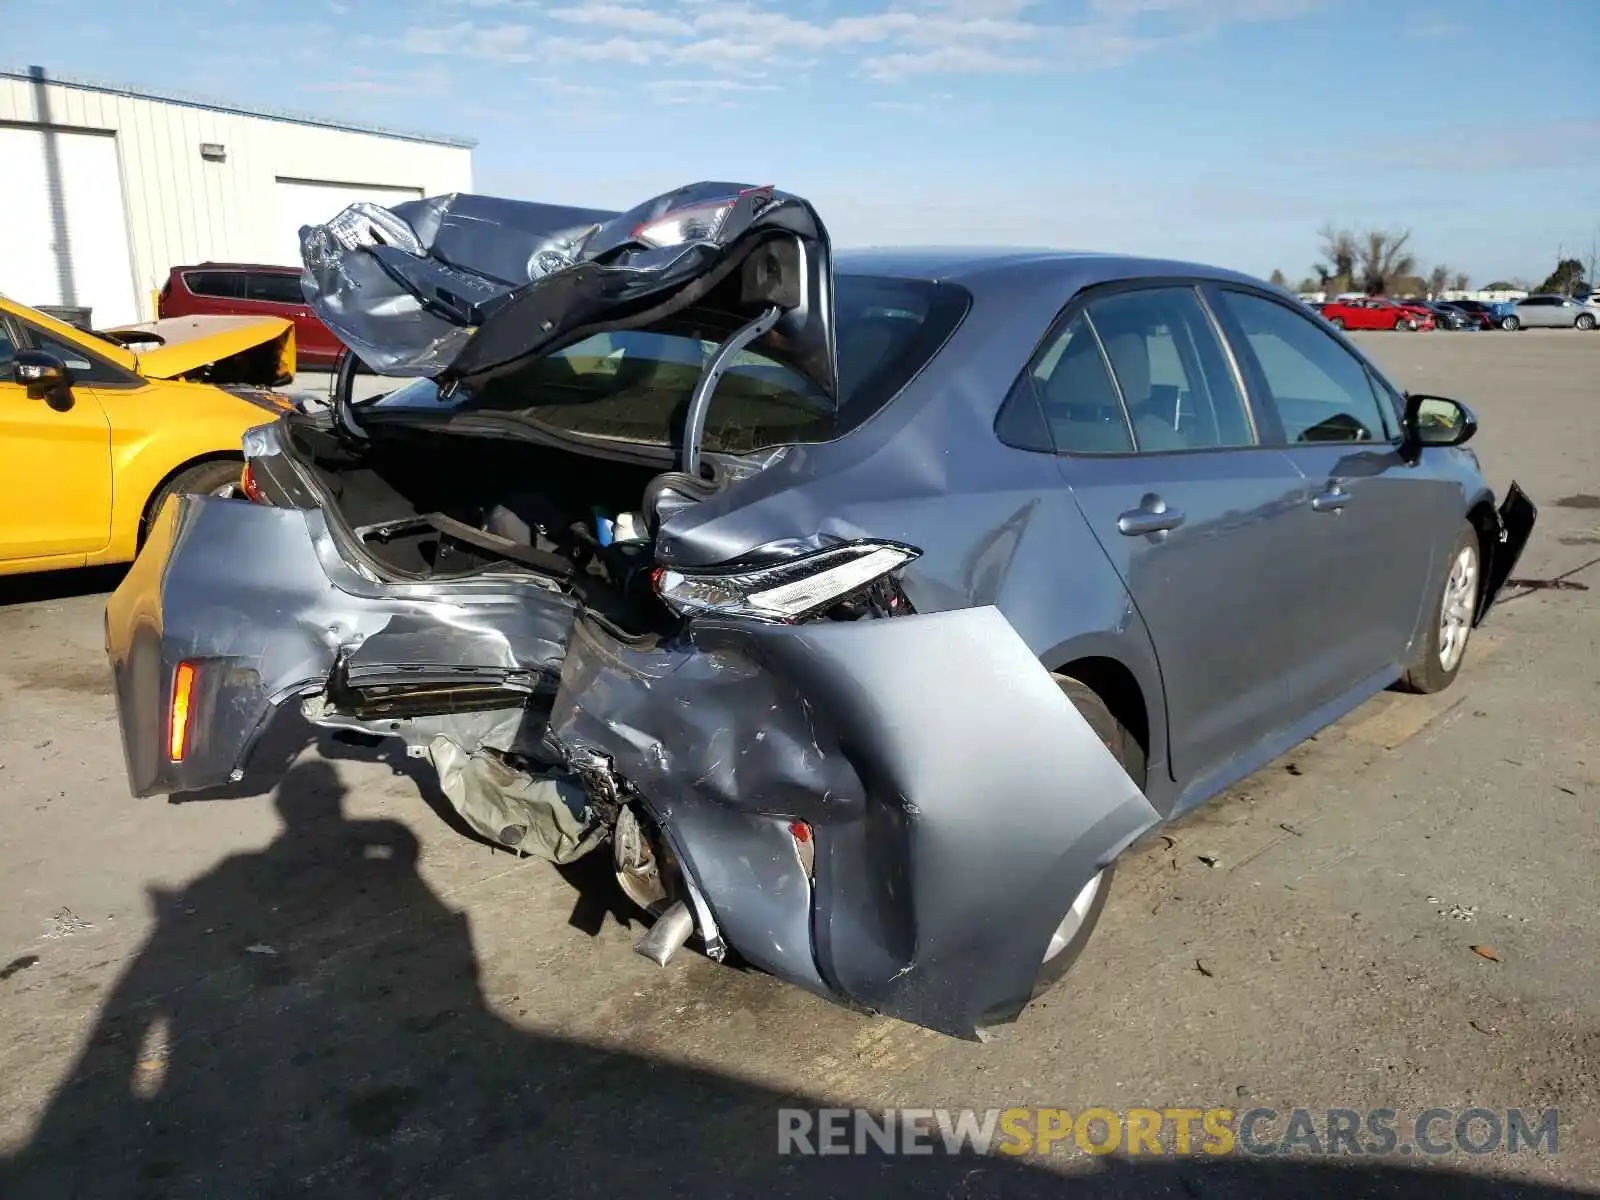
x,y
1456,607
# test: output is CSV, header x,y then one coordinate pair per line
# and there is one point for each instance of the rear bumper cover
x,y
956,799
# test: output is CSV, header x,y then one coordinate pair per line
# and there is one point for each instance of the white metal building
x,y
107,187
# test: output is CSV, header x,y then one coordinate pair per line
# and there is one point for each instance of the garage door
x,y
311,202
74,252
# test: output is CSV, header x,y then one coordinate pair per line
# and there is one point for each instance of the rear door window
x,y
223,285
1066,400
1320,390
273,287
1171,370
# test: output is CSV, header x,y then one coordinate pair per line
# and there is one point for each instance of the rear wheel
x,y
1585,321
220,478
1455,605
1336,322
1077,925
1510,324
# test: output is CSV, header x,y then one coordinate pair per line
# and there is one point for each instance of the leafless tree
x,y
1460,281
1381,255
1438,279
1278,279
1338,265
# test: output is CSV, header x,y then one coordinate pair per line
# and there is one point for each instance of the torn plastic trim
x,y
1514,521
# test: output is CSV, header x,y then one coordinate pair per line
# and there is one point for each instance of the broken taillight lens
x,y
785,591
251,489
182,711
695,222
699,223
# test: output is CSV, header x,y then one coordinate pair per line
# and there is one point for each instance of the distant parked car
x,y
1552,312
1490,314
254,290
1446,316
1377,312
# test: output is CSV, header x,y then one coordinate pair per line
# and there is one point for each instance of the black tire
x,y
1401,325
1336,322
1427,674
1510,324
1585,321
204,479
1130,754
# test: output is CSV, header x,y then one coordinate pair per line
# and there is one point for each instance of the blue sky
x,y
1221,130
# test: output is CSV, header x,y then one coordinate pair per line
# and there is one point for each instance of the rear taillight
x,y
804,847
182,711
695,222
251,489
789,590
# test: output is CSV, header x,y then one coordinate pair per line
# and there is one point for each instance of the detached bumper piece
x,y
1516,517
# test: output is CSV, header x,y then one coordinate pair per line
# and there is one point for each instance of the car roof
x,y
234,266
985,267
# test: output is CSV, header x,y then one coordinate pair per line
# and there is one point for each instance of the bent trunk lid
x,y
466,289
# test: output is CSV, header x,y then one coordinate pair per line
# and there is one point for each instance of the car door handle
x,y
1331,500
1152,516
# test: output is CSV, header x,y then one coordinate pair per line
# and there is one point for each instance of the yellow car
x,y
98,429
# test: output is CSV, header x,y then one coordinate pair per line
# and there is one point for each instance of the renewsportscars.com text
x,y
1432,1132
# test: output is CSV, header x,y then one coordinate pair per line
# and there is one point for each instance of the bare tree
x,y
1278,279
1381,255
1438,280
1461,281
1338,266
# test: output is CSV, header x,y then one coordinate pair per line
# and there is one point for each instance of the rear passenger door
x,y
1162,456
212,292
279,294
1367,537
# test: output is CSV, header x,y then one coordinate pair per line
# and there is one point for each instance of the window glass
x,y
85,367
1320,390
1070,387
1172,371
227,285
635,385
8,348
274,287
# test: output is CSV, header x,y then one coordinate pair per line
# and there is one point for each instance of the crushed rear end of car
x,y
493,565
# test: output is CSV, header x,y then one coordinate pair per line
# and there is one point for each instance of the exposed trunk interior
x,y
423,504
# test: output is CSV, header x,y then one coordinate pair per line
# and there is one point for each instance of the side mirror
x,y
41,372
1436,421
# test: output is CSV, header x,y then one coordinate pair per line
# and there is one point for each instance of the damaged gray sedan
x,y
863,608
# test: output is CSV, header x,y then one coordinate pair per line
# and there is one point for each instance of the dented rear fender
x,y
957,799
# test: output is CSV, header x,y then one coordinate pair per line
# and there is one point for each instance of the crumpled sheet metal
x,y
465,283
486,247
548,816
958,801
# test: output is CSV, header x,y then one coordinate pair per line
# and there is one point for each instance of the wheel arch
x,y
199,460
1485,520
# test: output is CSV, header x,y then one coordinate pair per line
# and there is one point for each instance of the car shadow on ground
x,y
59,585
308,1020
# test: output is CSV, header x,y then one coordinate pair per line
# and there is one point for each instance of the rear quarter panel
x,y
155,430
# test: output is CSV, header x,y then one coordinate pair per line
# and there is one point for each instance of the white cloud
x,y
904,38
642,21
504,43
